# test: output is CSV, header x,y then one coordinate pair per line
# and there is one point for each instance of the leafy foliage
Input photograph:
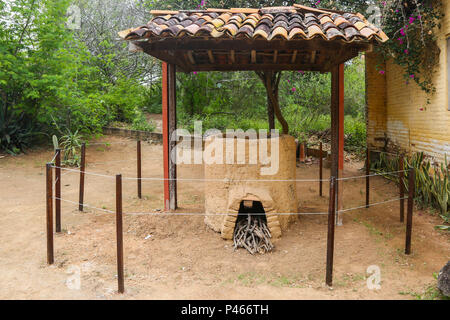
x,y
411,26
432,183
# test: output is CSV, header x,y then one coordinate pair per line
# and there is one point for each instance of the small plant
x,y
70,142
432,183
16,131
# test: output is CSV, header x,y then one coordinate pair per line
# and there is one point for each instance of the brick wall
x,y
401,119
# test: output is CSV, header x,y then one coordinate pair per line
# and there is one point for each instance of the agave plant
x,y
432,183
16,131
70,142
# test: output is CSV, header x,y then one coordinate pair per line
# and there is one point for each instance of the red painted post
x,y
409,214
49,212
320,169
139,170
401,177
119,234
331,229
82,169
58,190
367,178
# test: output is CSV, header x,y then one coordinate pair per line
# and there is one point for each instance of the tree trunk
x,y
271,81
270,114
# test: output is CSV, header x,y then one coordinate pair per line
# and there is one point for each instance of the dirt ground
x,y
178,257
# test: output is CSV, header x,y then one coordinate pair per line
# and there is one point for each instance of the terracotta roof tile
x,y
296,22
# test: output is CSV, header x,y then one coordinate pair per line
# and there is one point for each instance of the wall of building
x,y
405,119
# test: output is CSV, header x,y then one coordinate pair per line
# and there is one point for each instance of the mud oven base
x,y
232,189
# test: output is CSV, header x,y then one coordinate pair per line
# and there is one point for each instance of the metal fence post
x,y
409,215
49,212
58,190
82,169
331,229
119,234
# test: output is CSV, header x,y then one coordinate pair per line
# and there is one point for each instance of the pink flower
x,y
421,109
402,32
411,20
195,72
400,40
411,76
302,72
382,72
406,51
293,89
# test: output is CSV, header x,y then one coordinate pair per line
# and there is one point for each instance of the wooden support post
x,y
302,152
119,234
401,185
82,169
409,214
58,190
165,128
337,132
169,126
331,229
172,139
320,169
49,212
139,170
367,178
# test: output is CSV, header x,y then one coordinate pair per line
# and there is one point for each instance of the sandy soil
x,y
183,259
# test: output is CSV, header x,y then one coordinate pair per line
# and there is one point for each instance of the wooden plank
x,y
275,56
248,45
165,129
255,66
172,126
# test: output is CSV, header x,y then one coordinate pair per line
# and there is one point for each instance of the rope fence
x,y
53,183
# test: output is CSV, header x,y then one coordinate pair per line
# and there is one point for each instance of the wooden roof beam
x,y
233,56
294,56
275,56
211,57
313,56
190,56
253,54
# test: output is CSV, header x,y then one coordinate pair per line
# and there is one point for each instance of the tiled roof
x,y
281,23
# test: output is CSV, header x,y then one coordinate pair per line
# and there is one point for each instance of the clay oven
x,y
260,181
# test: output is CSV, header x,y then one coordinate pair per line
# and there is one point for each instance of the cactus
x,y
55,142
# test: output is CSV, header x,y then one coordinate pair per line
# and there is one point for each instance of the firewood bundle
x,y
251,233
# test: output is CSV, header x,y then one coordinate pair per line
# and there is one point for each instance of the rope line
x,y
84,205
371,175
161,213
371,205
191,179
54,158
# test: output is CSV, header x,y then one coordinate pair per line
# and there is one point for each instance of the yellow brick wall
x,y
405,124
376,102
